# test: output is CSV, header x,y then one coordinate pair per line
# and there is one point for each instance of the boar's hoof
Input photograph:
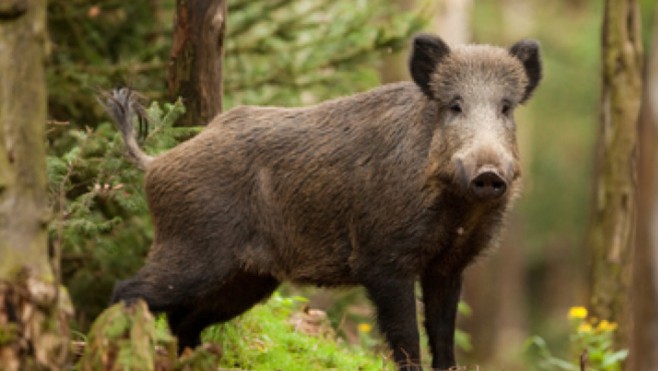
x,y
488,185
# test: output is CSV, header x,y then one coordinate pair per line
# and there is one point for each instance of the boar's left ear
x,y
527,51
428,51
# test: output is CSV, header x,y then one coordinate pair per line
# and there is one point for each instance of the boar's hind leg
x,y
396,313
441,296
232,298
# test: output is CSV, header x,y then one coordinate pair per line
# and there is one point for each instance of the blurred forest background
x,y
290,53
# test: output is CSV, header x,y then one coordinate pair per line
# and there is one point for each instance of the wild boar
x,y
406,182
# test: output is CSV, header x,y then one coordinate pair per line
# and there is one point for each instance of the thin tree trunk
x,y
195,66
33,330
644,345
452,21
611,236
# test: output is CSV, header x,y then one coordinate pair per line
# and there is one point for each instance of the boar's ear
x,y
428,51
527,51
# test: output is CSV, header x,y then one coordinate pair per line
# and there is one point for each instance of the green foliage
x,y
104,44
590,338
265,339
283,52
323,48
101,226
463,338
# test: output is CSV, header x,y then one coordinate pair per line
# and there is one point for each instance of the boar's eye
x,y
506,107
455,105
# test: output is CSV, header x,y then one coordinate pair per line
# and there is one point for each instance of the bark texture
x,y
612,233
195,66
644,345
33,332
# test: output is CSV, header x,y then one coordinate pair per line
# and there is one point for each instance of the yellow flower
x,y
577,312
364,327
584,328
605,326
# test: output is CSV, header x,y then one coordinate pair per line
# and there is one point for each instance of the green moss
x,y
264,339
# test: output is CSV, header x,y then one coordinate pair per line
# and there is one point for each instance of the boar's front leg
x,y
441,296
396,314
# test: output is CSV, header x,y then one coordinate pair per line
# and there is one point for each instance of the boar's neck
x,y
465,228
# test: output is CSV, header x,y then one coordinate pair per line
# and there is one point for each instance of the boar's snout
x,y
487,184
486,174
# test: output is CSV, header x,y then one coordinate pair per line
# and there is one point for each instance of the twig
x,y
584,360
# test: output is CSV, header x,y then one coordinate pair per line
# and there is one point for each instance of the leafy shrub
x,y
591,340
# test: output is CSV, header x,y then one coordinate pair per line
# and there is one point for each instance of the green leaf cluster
x,y
104,44
292,52
590,339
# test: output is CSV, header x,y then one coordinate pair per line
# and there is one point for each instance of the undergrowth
x,y
265,339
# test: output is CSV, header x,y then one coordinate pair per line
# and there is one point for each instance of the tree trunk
x,y
644,344
195,66
33,330
611,236
452,21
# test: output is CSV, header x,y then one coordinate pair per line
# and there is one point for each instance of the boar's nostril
x,y
488,185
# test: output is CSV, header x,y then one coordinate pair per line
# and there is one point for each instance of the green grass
x,y
264,339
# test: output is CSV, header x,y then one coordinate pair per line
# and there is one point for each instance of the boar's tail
x,y
123,106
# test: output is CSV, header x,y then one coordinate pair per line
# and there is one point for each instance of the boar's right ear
x,y
527,51
428,51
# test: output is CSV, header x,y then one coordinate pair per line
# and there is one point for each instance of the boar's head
x,y
476,89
